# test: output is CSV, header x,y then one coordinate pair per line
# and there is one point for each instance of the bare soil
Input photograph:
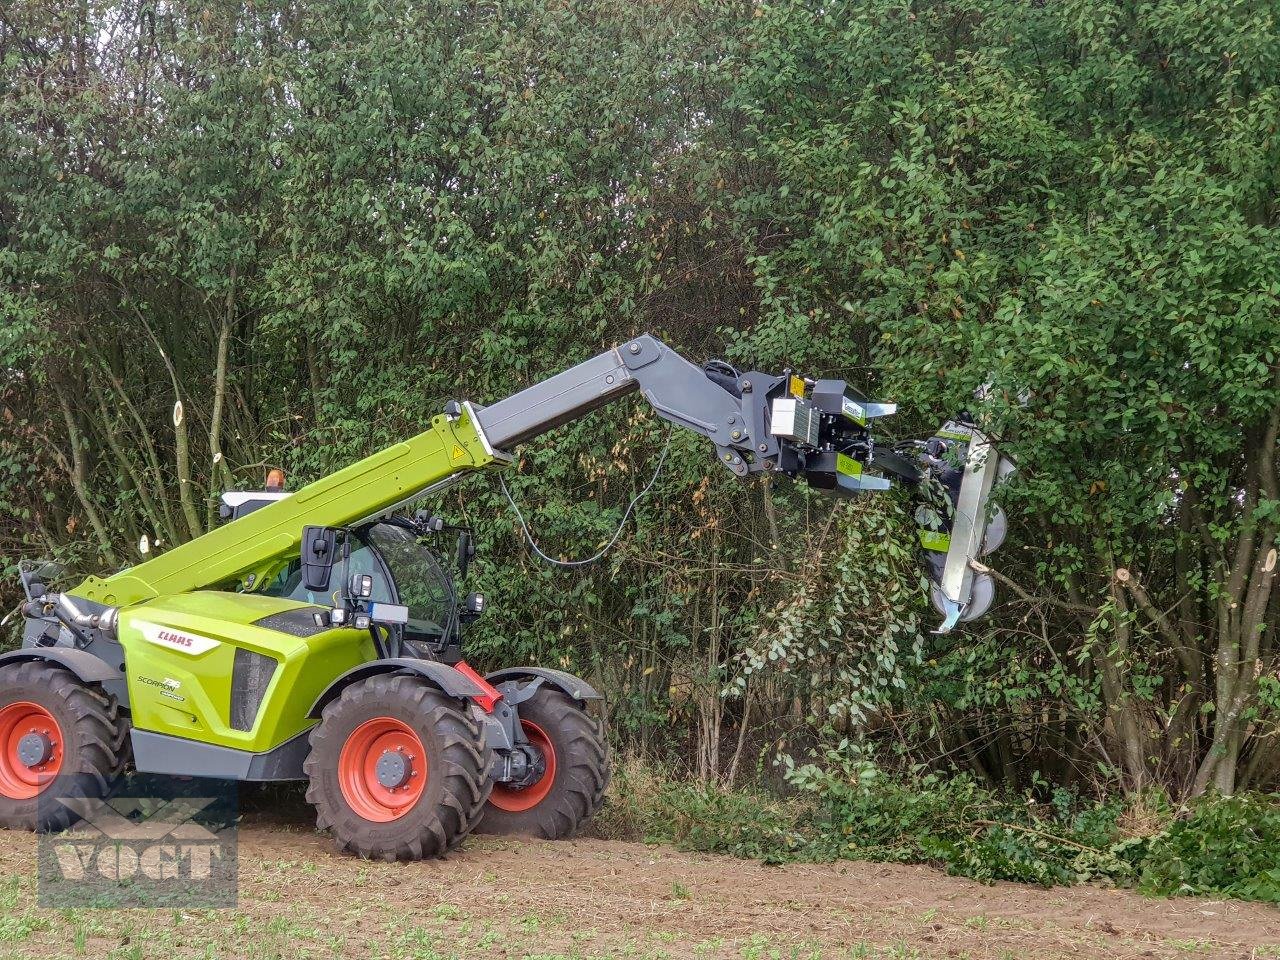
x,y
595,898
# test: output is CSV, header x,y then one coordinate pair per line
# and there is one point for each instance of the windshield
x,y
408,573
420,582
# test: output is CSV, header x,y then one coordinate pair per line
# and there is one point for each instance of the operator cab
x,y
401,570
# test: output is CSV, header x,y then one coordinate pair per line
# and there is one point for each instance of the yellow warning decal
x,y
796,387
458,452
848,466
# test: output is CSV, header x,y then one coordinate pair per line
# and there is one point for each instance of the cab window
x,y
289,583
421,584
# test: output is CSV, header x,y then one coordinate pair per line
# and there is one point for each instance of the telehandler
x,y
317,635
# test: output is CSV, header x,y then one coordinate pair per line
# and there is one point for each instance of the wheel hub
x,y
528,766
31,749
524,792
34,749
393,769
382,769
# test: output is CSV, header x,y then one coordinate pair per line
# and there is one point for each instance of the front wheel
x,y
575,773
398,770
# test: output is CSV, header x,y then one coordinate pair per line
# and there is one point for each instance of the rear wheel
x,y
575,772
398,770
59,739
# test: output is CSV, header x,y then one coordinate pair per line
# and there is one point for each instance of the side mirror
x,y
319,548
466,550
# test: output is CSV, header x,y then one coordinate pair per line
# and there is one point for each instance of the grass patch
x,y
16,927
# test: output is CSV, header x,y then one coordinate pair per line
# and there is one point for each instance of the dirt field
x,y
594,898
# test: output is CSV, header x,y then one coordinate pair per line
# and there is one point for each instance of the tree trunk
x,y
148,449
128,471
1113,670
219,472
181,442
76,472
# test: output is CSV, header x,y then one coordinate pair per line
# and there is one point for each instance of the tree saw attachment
x,y
958,468
825,438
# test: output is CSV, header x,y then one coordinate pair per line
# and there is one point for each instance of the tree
x,y
1075,205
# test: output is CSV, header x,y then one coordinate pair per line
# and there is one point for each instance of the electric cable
x,y
528,535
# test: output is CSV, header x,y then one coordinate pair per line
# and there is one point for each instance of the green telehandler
x,y
317,635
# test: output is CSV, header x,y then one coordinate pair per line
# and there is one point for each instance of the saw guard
x,y
962,589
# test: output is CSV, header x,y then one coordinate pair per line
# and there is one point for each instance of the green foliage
x,y
1224,846
646,803
971,830
847,808
1073,205
855,611
313,225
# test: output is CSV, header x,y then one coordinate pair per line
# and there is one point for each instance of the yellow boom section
x,y
256,543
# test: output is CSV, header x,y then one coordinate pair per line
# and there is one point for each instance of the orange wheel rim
x,y
382,769
519,799
31,749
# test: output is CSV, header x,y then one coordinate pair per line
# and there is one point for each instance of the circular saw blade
x,y
982,596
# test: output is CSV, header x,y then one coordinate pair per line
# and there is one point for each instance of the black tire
x,y
457,770
94,743
582,771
